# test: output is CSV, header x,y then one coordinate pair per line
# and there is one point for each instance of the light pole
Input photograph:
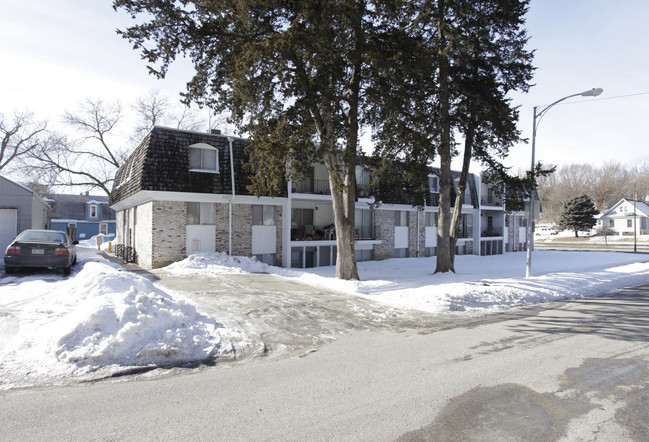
x,y
537,119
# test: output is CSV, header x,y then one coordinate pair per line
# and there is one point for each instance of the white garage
x,y
8,227
20,209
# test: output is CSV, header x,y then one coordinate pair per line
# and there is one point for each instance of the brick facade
x,y
384,228
168,232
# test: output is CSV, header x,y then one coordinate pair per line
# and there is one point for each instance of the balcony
x,y
491,201
328,233
316,187
492,232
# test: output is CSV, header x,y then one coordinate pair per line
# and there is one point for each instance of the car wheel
x,y
9,270
75,260
66,270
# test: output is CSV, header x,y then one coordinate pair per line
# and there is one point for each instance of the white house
x,y
620,218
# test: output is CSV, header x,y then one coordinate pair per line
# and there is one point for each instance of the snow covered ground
x,y
103,320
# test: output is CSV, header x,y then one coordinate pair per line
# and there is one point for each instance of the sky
x,y
56,54
102,320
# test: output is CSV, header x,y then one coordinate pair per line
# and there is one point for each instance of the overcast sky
x,y
54,54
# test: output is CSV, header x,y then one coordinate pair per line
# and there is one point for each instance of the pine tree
x,y
578,214
455,65
292,74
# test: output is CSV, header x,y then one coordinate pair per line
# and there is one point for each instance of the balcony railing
x,y
311,233
317,187
492,232
492,201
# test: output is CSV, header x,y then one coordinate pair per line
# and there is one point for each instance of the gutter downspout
x,y
231,198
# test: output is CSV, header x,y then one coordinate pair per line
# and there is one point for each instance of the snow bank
x,y
102,316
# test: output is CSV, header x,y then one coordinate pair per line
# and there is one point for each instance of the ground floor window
x,y
491,247
313,256
103,228
263,215
401,253
430,251
200,214
364,255
266,258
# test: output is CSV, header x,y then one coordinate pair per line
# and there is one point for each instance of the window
x,y
463,228
301,217
400,218
363,224
103,228
263,215
431,219
93,211
203,158
200,213
433,183
363,182
629,223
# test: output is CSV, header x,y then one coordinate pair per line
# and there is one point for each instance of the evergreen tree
x,y
578,214
292,74
459,61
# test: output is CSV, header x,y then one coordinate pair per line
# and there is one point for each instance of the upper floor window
x,y
93,211
433,183
203,158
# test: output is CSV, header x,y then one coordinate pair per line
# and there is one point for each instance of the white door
x,y
8,227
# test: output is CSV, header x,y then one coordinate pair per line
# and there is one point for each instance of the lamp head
x,y
592,92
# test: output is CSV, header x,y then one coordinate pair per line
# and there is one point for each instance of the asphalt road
x,y
575,370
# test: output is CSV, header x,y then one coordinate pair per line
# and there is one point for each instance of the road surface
x,y
576,370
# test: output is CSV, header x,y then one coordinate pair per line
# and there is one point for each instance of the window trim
x,y
203,147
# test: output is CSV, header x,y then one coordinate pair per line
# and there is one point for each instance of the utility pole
x,y
635,230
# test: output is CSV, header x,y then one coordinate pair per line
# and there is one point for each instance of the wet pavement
x,y
278,317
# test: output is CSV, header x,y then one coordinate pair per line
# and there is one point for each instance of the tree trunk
x,y
461,187
444,243
343,199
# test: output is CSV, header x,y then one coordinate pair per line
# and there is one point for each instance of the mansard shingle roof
x,y
161,163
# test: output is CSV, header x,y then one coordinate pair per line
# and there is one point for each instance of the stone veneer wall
x,y
279,210
241,230
413,237
384,227
168,232
222,227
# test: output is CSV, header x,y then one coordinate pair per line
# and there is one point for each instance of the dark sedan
x,y
41,248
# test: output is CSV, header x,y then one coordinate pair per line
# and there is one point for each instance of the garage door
x,y
8,227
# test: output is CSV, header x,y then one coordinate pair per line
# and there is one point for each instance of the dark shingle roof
x,y
161,163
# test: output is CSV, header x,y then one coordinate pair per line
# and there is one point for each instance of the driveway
x,y
282,317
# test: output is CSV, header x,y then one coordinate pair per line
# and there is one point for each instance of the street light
x,y
537,119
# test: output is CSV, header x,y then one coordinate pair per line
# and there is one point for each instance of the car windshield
x,y
42,237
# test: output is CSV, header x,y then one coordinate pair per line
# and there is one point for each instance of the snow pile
x,y
102,316
217,263
481,284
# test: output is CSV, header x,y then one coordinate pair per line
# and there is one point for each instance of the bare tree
x,y
20,136
158,109
90,158
611,184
